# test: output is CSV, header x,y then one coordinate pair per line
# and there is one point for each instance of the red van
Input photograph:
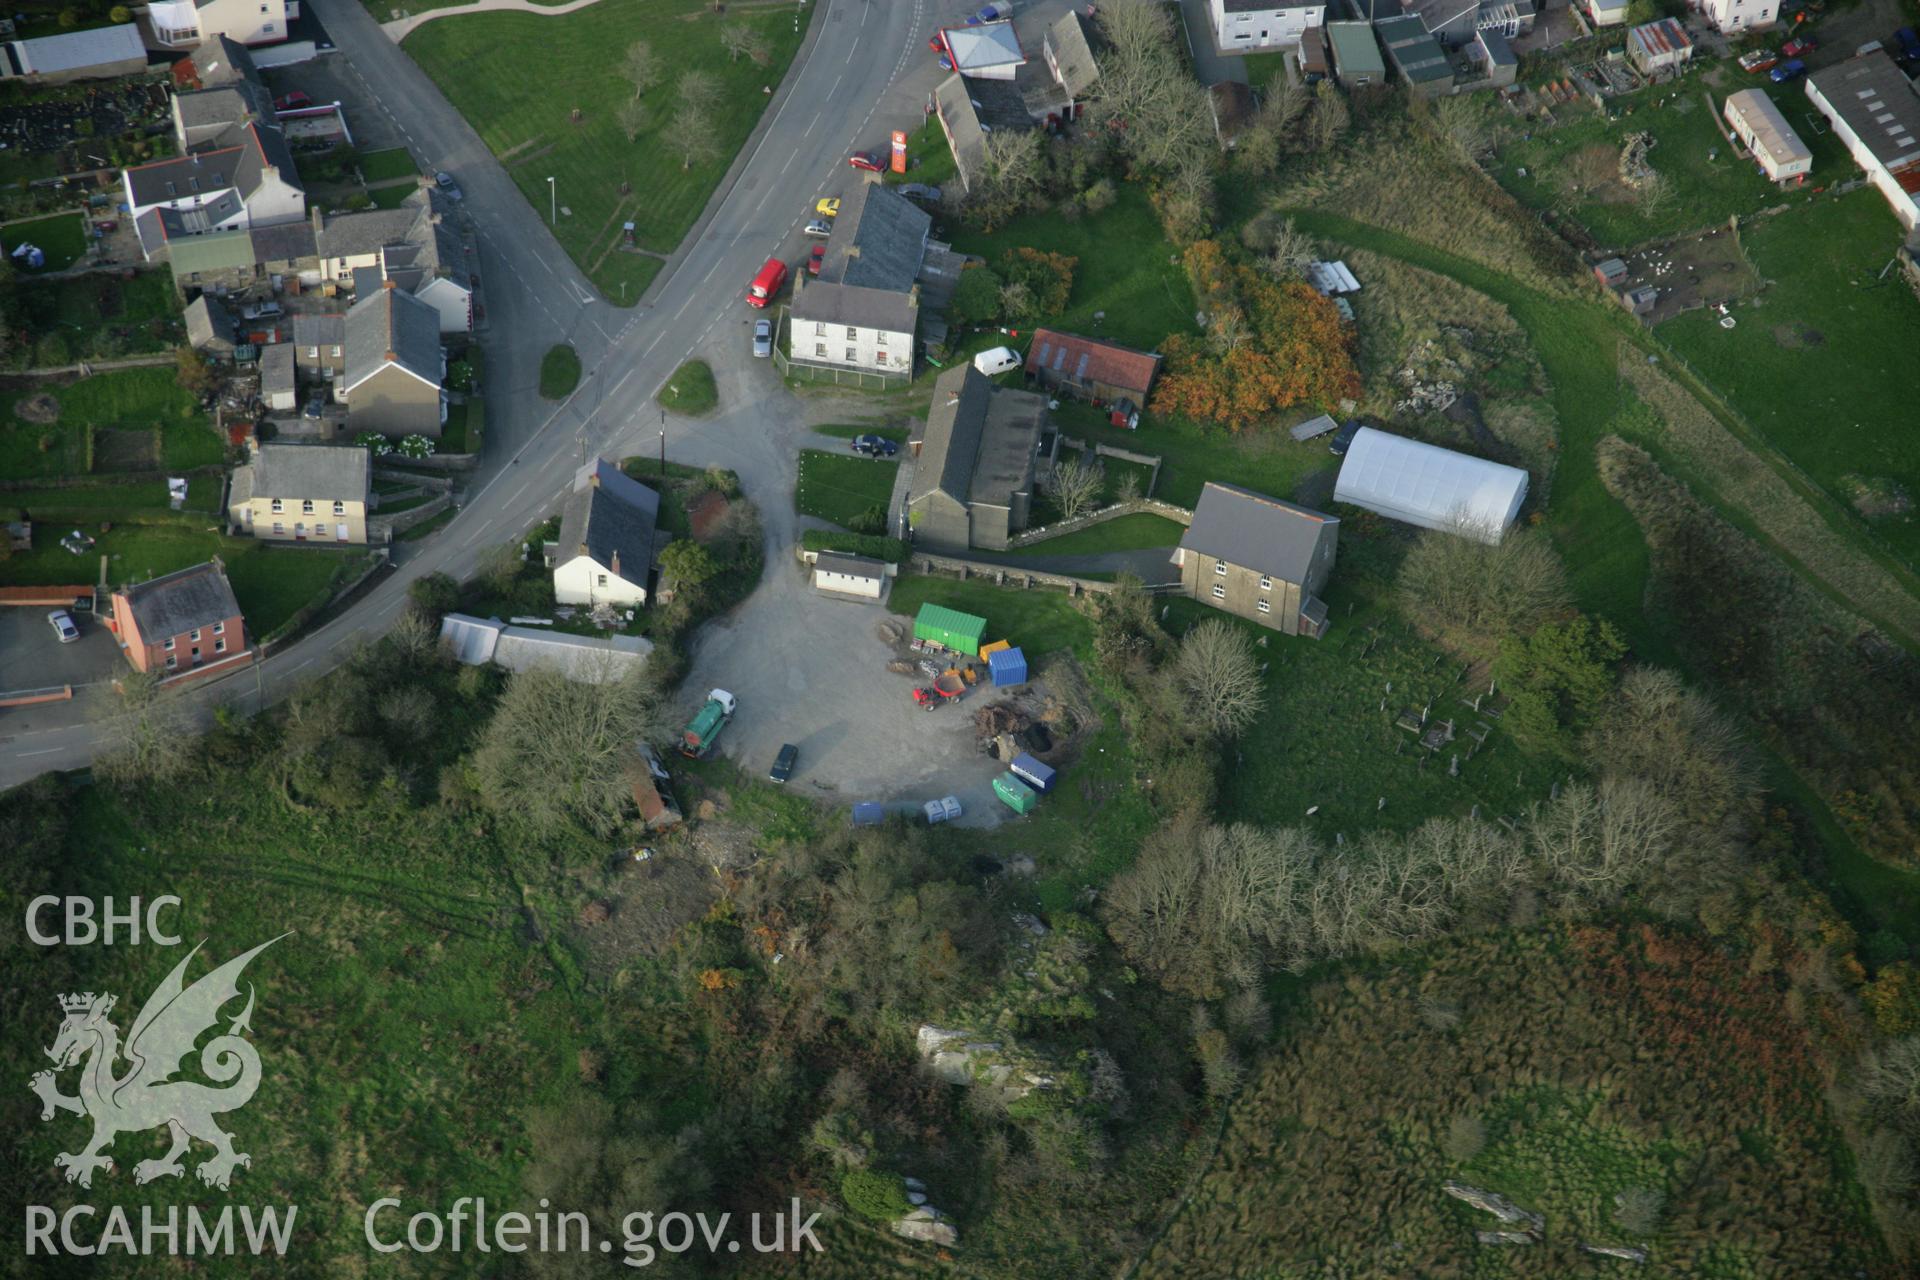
x,y
767,283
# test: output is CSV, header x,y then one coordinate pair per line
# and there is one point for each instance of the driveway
x,y
32,657
1209,64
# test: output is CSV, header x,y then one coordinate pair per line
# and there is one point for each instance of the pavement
x,y
1209,64
862,71
400,29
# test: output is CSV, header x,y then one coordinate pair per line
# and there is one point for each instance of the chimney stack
x,y
616,564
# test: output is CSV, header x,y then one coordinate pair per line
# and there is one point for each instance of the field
x,y
1141,531
1124,269
203,494
1822,359
1191,454
124,409
61,236
93,317
501,71
1560,1067
1574,167
844,488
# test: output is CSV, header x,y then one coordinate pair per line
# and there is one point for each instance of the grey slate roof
x,y
197,596
970,110
222,60
276,372
224,105
78,50
209,324
611,515
1416,54
240,157
877,241
311,330
1073,52
1878,103
392,327
840,304
283,242
357,234
321,472
850,566
979,440
1256,532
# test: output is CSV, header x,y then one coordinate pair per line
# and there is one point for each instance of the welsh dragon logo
x,y
146,1096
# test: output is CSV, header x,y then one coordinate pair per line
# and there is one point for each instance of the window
x,y
1219,591
1266,583
852,333
219,628
278,529
1220,568
266,27
171,662
313,353
820,349
880,357
1264,607
277,508
334,351
339,508
880,337
219,646
195,637
852,355
819,329
168,646
603,579
306,506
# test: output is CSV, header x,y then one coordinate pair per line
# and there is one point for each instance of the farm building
x,y
583,659
1659,46
1090,367
1431,487
1875,111
1259,558
850,575
1754,120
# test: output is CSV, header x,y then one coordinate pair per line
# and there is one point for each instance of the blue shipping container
x,y
1007,666
1035,773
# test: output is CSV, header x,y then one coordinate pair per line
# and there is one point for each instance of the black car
x,y
783,763
875,446
1343,438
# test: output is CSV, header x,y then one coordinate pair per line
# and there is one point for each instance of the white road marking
x,y
49,751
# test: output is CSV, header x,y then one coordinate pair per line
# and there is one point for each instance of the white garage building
x,y
850,575
1434,488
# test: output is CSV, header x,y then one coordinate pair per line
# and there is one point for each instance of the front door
x,y
340,533
300,531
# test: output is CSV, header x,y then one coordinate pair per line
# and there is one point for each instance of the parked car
x,y
292,101
827,206
1799,45
448,187
1909,44
63,626
937,42
992,13
816,259
1343,438
919,191
783,763
763,338
261,311
946,63
866,160
818,227
1792,69
997,360
875,446
1754,61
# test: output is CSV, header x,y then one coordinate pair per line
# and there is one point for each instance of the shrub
x,y
881,1197
435,593
976,298
892,550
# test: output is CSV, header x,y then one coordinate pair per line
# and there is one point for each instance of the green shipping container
x,y
1017,795
950,627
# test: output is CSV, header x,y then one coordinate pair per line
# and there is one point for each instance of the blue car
x,y
1909,44
1791,69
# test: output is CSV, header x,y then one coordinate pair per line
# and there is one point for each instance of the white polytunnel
x,y
1428,486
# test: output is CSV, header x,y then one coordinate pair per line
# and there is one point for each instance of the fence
x,y
1010,576
839,376
1150,506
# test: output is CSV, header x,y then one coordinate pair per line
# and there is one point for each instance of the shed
x,y
1356,54
949,628
1034,772
1611,272
1756,121
1331,278
1659,46
1015,794
276,377
1639,301
1497,56
990,51
860,576
1007,666
1313,55
1430,487
988,650
1416,55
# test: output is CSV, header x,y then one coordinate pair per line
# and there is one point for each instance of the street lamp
x,y
553,204
663,443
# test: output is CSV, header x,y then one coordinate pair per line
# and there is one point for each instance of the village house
x,y
1738,15
180,24
1259,558
303,493
861,311
394,365
604,554
975,463
181,626
1261,26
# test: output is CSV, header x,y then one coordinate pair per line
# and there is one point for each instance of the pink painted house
x,y
183,625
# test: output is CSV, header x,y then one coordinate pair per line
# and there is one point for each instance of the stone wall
x,y
1113,451
1009,576
1150,506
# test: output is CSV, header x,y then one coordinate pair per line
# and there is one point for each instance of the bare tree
x,y
1479,591
1218,678
560,751
632,116
736,38
1292,250
150,727
1011,170
692,134
641,67
1075,486
1597,843
1461,123
1329,117
1671,736
698,91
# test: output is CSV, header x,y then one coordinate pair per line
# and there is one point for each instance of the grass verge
x,y
690,392
559,372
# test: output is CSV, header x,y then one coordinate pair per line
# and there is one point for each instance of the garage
x,y
850,575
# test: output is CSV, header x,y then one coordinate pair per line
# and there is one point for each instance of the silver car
x,y
763,338
818,227
62,623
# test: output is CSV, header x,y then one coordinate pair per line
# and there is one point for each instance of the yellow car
x,y
828,207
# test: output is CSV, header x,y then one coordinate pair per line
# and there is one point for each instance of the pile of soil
x,y
41,409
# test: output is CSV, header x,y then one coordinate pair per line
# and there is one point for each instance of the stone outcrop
x,y
958,1057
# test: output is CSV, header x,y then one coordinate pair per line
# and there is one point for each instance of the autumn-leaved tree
x,y
1270,345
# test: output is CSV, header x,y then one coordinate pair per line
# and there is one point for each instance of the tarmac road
x,y
856,77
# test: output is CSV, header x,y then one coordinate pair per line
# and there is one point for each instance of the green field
x,y
517,78
127,400
843,488
1039,621
203,494
1573,166
93,317
690,391
385,166
61,236
1124,269
1266,461
1138,532
1822,360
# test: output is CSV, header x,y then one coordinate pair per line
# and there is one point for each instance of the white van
x,y
998,360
